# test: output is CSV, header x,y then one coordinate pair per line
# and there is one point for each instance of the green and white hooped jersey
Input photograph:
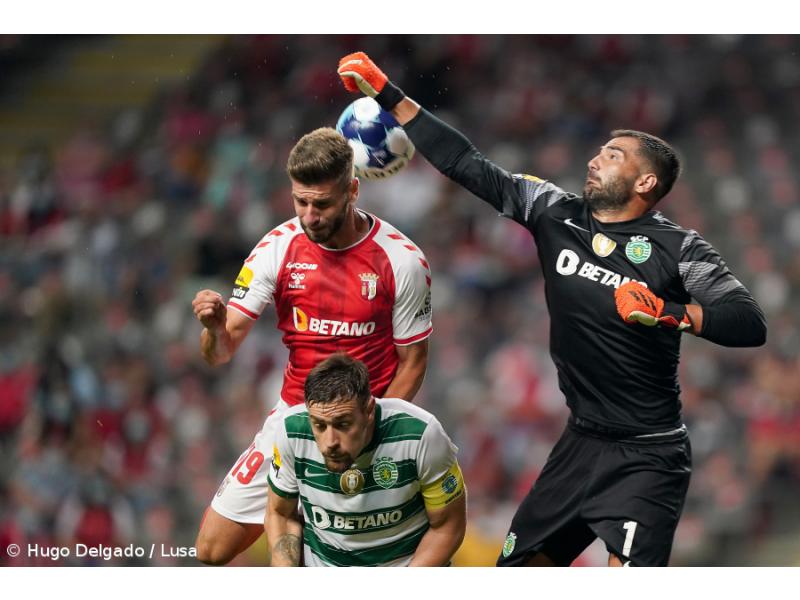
x,y
373,514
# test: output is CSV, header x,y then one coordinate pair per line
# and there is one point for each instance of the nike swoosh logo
x,y
571,224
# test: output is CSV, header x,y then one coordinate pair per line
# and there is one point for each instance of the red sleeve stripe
x,y
424,263
396,236
262,244
243,310
291,226
275,232
249,258
410,247
414,338
428,280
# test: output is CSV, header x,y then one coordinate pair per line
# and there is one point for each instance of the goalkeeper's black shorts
x,y
628,491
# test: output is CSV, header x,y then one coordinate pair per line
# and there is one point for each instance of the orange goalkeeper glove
x,y
637,304
358,72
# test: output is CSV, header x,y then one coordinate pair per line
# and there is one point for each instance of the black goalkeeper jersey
x,y
614,375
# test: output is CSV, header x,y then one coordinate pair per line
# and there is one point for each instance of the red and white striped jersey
x,y
363,300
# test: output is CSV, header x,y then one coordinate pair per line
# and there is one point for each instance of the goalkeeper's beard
x,y
613,195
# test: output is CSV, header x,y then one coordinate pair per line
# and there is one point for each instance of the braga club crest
x,y
369,285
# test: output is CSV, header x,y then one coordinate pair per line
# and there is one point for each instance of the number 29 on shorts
x,y
251,460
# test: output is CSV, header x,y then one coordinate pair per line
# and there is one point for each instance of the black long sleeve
x,y
454,156
731,316
440,143
519,197
737,323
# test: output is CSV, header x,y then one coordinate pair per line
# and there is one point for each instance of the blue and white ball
x,y
380,145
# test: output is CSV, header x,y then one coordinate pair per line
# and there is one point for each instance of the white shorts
x,y
242,496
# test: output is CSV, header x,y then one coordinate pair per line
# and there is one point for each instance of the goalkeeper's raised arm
x,y
445,148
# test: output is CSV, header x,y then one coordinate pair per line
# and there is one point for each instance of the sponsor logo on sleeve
x,y
424,313
531,178
276,460
245,277
242,284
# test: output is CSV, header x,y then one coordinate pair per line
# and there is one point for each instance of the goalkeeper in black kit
x,y
622,285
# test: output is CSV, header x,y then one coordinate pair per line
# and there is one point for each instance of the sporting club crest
x,y
638,249
508,546
384,472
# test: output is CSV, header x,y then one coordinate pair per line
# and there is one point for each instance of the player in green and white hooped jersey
x,y
377,479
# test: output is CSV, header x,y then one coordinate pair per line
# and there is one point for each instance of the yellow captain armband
x,y
444,490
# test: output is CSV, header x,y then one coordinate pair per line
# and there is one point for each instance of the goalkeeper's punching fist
x,y
359,73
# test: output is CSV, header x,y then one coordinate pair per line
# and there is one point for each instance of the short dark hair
x,y
338,377
661,156
321,156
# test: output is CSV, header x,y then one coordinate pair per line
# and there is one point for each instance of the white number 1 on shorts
x,y
631,528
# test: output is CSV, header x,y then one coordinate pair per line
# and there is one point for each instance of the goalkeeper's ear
x,y
645,184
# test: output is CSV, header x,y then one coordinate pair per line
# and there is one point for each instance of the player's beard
x,y
321,236
342,463
612,195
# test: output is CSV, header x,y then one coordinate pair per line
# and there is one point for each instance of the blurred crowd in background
x,y
114,431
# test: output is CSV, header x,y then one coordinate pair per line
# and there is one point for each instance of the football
x,y
380,145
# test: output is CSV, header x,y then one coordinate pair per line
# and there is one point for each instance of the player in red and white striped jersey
x,y
340,280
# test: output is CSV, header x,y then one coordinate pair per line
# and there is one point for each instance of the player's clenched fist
x,y
637,304
209,309
358,72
